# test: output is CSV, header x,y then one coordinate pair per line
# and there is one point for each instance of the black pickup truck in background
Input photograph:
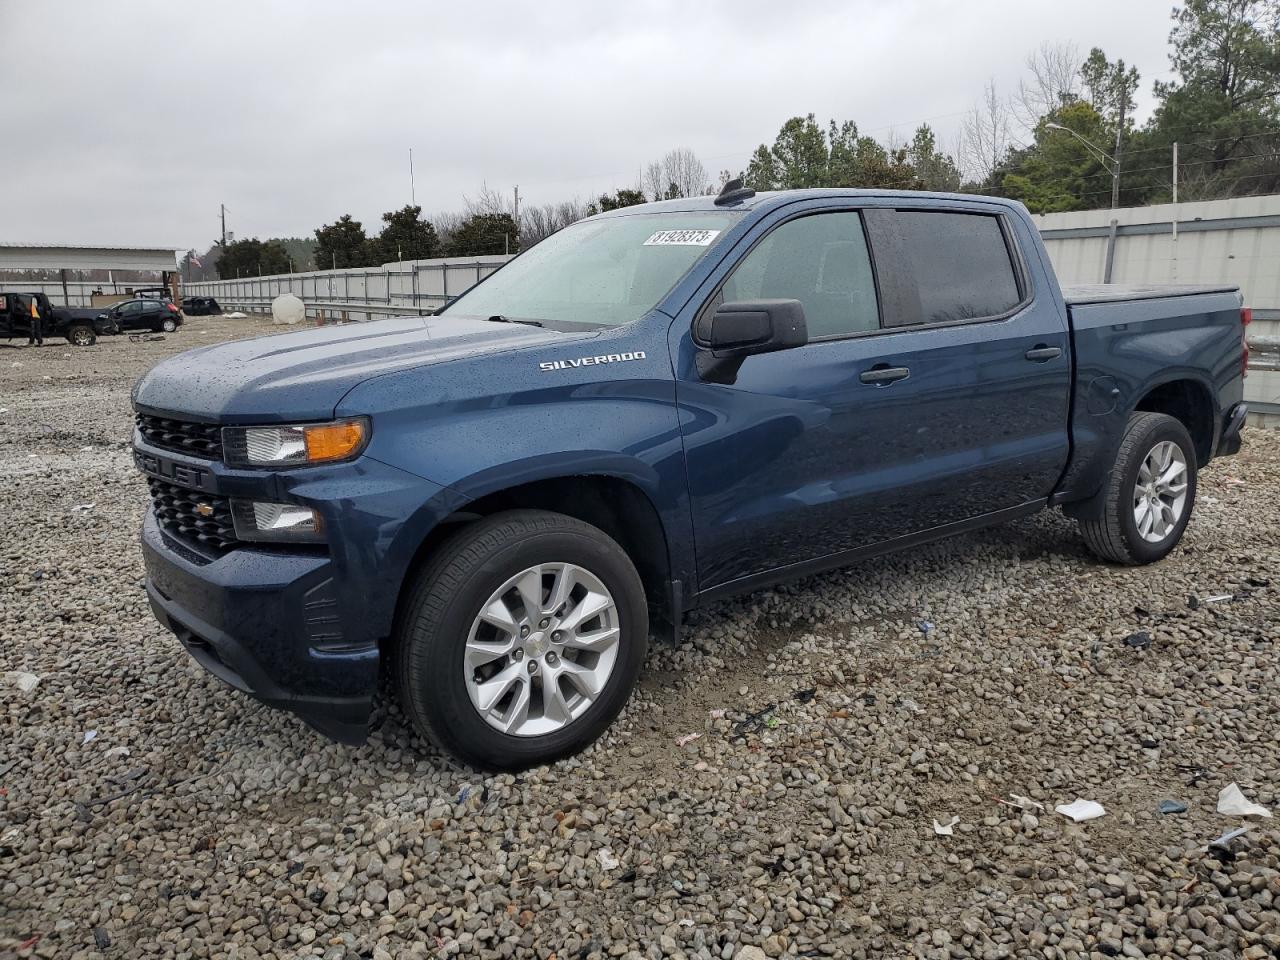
x,y
81,326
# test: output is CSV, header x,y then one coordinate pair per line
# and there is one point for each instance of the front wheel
x,y
521,640
82,335
1147,499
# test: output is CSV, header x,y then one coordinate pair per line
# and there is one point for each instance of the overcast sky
x,y
129,122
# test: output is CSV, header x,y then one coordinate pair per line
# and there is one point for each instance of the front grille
x,y
176,511
182,436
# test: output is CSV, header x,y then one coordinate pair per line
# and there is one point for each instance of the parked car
x,y
653,408
80,326
200,306
146,314
153,293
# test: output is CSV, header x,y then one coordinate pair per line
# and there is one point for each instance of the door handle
x,y
883,376
1041,353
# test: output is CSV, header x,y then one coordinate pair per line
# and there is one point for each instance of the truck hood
x,y
302,375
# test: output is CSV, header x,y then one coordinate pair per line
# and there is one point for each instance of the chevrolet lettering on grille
x,y
181,474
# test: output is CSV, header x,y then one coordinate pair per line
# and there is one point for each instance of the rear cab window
x,y
945,266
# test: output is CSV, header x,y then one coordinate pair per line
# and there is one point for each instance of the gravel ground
x,y
770,790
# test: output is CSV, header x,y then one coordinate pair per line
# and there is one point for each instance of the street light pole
x,y
1112,166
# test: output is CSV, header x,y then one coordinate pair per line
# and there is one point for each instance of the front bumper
x,y
297,629
269,625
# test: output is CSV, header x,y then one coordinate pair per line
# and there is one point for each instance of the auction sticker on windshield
x,y
685,238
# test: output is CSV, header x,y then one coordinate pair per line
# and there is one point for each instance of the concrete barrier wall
x,y
1234,241
424,283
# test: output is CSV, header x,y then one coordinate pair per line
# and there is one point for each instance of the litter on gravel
x,y
1139,641
1233,803
1224,842
945,829
1081,810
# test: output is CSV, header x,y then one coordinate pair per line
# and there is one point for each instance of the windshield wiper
x,y
499,318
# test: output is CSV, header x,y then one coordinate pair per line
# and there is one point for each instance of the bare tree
x,y
538,223
1055,79
985,135
489,201
679,174
446,225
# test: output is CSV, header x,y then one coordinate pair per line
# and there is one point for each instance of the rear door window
x,y
962,266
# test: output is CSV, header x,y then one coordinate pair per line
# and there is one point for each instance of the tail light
x,y
171,307
1246,318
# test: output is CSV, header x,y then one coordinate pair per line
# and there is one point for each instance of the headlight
x,y
294,444
260,521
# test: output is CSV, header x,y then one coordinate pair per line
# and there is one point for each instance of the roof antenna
x,y
734,192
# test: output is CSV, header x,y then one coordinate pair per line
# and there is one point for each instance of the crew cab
x,y
653,408
80,326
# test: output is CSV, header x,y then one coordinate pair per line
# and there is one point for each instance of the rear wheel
x,y
1147,500
521,640
168,326
81,335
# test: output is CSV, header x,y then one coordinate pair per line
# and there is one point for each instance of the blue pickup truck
x,y
653,408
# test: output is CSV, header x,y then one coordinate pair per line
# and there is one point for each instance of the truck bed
x,y
1075,293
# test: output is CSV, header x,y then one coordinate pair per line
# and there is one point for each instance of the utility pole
x,y
223,207
413,196
1115,171
1175,192
517,214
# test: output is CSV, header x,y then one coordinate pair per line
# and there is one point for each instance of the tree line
x,y
488,225
1053,143
1056,142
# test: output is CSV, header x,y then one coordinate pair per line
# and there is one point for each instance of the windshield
x,y
599,272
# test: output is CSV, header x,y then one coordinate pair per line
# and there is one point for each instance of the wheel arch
x,y
1190,401
616,504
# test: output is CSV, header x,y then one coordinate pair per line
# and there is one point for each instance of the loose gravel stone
x,y
835,729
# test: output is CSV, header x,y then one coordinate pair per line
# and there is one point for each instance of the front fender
x,y
478,428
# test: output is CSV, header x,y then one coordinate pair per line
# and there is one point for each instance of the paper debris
x,y
1232,803
1080,810
607,860
944,829
89,737
687,739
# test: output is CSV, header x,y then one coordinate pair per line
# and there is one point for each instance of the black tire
x,y
81,335
445,597
1110,529
168,326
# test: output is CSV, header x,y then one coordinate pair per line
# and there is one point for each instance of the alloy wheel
x,y
541,649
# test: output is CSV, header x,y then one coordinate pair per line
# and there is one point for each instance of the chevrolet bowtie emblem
x,y
204,509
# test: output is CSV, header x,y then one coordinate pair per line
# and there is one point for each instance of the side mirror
x,y
743,328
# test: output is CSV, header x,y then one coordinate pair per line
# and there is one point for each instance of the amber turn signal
x,y
334,441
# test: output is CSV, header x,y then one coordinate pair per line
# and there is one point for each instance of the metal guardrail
x,y
339,309
1264,352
